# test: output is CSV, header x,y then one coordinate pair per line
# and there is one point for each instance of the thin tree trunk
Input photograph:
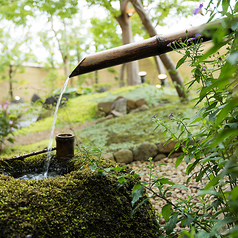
x,y
124,22
66,69
96,76
167,61
10,82
121,82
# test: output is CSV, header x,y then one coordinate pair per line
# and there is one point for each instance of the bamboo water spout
x,y
153,46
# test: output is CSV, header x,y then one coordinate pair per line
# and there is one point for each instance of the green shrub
x,y
8,123
212,153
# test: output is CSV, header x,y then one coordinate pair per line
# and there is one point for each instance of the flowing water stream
x,y
47,163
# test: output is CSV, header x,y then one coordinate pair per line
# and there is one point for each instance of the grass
x,y
126,132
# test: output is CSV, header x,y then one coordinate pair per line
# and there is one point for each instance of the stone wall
x,y
143,152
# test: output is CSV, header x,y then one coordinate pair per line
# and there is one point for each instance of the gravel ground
x,y
178,176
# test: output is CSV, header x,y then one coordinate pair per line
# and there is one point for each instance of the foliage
x,y
212,153
19,11
12,56
51,80
165,9
8,123
104,33
15,11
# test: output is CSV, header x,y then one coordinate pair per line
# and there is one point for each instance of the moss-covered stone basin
x,y
80,203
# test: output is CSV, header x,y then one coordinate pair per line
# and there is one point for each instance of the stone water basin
x,y
77,203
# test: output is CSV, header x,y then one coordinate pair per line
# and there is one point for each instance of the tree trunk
x,y
121,81
10,82
96,76
167,61
124,22
66,69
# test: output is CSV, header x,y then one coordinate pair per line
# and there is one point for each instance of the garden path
x,y
43,135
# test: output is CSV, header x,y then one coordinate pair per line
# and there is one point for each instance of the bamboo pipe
x,y
156,45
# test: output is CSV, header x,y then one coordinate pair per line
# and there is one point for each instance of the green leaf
x,y
179,186
221,224
234,193
121,179
93,167
191,167
136,187
181,61
11,140
167,211
225,134
202,234
136,195
233,57
188,220
225,5
169,227
165,181
179,160
210,191
136,208
212,183
119,169
236,9
107,170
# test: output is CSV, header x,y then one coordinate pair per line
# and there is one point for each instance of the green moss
x,y
78,110
119,133
131,130
78,204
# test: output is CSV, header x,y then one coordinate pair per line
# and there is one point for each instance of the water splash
x,y
47,163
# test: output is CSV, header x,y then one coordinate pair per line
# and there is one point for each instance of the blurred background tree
x,y
67,35
14,52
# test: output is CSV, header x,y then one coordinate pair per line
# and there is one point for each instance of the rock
x,y
35,98
128,109
120,105
119,97
52,100
94,205
105,107
159,157
131,103
140,102
134,110
144,107
100,113
167,148
123,156
108,156
105,118
102,90
145,151
116,113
